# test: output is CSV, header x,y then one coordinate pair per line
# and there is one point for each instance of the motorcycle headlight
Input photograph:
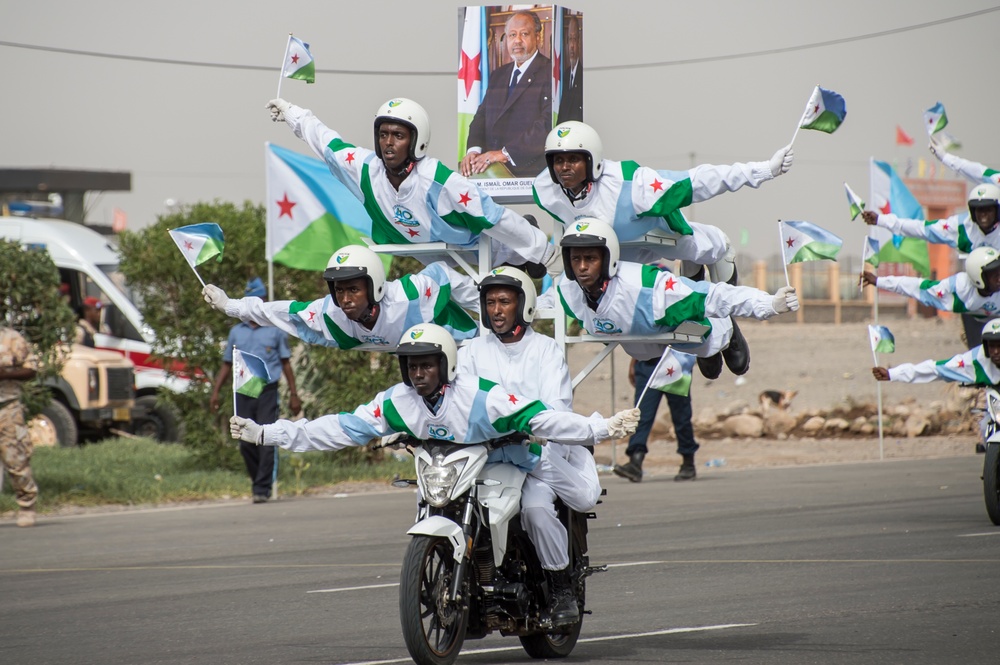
x,y
438,479
993,403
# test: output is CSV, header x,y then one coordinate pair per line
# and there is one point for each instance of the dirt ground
x,y
828,365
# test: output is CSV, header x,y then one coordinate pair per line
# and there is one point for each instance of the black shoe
x,y
711,367
980,448
534,270
687,472
564,609
631,470
737,354
260,498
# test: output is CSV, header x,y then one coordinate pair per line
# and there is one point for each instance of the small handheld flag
x,y
804,241
671,375
250,374
857,205
825,111
881,339
869,254
298,62
198,243
935,119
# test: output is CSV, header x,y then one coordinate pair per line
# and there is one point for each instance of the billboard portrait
x,y
511,81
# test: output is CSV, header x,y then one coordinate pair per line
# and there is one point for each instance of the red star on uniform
x,y
657,185
286,207
378,411
961,363
670,284
790,242
428,292
295,59
940,294
511,399
945,226
413,232
312,315
349,158
464,199
188,245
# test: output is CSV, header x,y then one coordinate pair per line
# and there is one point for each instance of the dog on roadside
x,y
776,399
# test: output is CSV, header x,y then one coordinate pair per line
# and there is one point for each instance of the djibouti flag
x,y
881,339
199,242
298,61
935,119
825,111
857,205
310,215
250,375
673,373
803,241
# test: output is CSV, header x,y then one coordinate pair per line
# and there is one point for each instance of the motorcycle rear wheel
x,y
433,627
991,482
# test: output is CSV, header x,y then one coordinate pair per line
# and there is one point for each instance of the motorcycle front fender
x,y
441,527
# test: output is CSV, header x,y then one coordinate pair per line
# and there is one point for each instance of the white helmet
x,y
591,232
984,196
981,260
425,339
573,136
991,331
511,278
352,262
406,112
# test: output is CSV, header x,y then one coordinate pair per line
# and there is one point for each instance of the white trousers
x,y
707,245
569,473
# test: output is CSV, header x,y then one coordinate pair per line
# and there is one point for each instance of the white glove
x,y
247,430
781,161
623,423
938,146
392,440
215,297
278,107
785,300
553,262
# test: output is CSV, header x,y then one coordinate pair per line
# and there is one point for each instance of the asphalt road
x,y
865,563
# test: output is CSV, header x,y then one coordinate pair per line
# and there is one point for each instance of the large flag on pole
x,y
673,373
472,72
250,374
891,195
825,111
310,214
935,119
199,242
298,61
804,241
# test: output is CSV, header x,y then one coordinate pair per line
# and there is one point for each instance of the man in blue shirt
x,y
270,345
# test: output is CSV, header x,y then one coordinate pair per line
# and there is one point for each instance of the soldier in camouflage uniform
x,y
15,446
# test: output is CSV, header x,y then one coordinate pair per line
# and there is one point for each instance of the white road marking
x,y
355,588
976,535
607,638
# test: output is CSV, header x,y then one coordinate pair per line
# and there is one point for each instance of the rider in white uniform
x,y
364,308
434,402
410,197
529,363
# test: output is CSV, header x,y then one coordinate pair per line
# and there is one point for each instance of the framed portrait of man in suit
x,y
510,82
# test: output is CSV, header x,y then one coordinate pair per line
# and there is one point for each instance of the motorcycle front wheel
x,y
991,482
433,626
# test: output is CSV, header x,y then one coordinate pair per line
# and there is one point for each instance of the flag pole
x,y
781,246
198,276
281,72
234,384
802,117
666,352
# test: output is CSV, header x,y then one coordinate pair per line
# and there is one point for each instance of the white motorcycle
x,y
991,465
470,568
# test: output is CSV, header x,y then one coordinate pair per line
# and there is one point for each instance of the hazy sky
x,y
195,133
